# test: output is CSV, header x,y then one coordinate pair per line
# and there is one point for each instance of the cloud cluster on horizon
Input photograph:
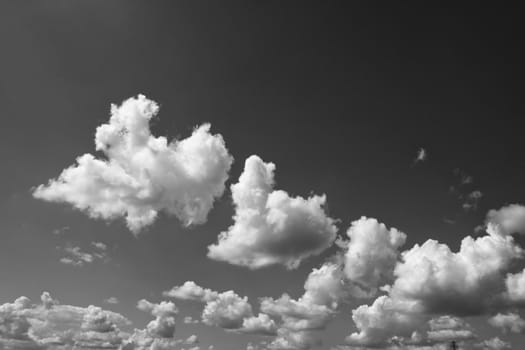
x,y
49,324
143,175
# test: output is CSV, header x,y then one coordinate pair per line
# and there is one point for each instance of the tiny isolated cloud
x,y
271,227
142,175
421,156
112,300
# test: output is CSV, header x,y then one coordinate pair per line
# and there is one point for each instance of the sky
x,y
260,175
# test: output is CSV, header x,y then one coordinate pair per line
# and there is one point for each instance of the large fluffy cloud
x,y
142,175
431,279
462,283
372,253
270,226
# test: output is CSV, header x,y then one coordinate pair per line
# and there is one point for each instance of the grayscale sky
x,y
410,115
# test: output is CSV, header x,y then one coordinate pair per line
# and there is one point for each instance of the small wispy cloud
x,y
421,156
464,178
472,200
77,257
112,300
60,231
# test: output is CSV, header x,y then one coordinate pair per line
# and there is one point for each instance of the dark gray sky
x,y
339,97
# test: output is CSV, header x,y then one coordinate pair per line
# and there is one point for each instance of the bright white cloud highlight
x,y
506,220
270,226
191,291
142,175
372,253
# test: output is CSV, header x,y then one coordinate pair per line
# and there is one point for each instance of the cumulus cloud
x,y
506,220
191,291
27,325
270,226
227,311
515,284
164,323
430,279
297,319
372,253
262,324
510,322
142,175
462,283
384,319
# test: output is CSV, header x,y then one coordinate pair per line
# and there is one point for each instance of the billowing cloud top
x,y
372,253
270,226
143,175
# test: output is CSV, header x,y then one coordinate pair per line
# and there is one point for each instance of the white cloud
x,y
506,220
191,291
262,324
192,340
270,226
421,156
382,320
510,322
75,256
515,284
190,320
324,288
461,283
431,280
227,311
142,175
50,323
493,344
164,323
98,320
112,300
372,253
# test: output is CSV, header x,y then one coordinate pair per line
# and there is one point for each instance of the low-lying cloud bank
x,y
141,175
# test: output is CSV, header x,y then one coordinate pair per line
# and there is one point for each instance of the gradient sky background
x,y
339,97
